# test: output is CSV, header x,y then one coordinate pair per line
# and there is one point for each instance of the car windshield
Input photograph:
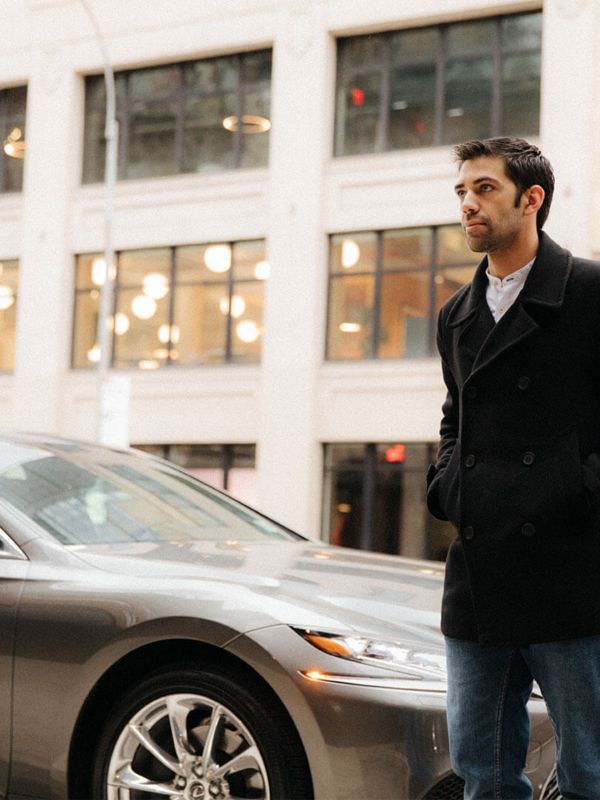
x,y
81,494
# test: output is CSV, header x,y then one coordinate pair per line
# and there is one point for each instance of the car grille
x,y
451,788
550,790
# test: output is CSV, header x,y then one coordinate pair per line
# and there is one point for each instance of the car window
x,y
95,496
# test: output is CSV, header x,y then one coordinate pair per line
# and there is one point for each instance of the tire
x,y
199,734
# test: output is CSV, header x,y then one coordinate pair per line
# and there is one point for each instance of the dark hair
x,y
524,164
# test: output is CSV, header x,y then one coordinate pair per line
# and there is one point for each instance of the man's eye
x,y
486,187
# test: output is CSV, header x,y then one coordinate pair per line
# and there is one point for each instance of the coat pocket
x,y
448,488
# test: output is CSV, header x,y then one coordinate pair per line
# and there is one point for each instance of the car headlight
x,y
414,663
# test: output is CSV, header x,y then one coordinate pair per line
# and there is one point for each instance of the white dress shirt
x,y
501,293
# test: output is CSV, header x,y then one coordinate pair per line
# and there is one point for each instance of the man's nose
x,y
469,203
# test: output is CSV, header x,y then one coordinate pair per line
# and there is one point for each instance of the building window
x,y
375,500
439,85
386,287
225,466
9,278
190,305
12,132
197,116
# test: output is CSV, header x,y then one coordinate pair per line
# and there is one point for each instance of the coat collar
x,y
545,283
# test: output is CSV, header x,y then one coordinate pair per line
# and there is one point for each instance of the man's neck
x,y
504,262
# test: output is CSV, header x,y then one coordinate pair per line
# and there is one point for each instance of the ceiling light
x,y
155,285
262,270
168,332
7,297
350,253
248,331
143,307
99,271
14,145
350,327
121,323
238,306
217,257
251,123
93,354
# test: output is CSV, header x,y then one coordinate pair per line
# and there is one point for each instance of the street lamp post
x,y
111,128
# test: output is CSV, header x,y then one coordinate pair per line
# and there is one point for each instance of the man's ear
x,y
534,198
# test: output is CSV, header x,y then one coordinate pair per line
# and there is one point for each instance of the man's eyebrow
x,y
483,179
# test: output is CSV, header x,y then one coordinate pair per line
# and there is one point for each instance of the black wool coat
x,y
518,468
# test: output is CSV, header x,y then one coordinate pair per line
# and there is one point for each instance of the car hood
x,y
303,583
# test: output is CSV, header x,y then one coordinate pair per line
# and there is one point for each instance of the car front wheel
x,y
190,734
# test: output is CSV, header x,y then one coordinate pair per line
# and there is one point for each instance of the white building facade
x,y
322,411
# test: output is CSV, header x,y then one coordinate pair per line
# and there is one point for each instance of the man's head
x,y
505,184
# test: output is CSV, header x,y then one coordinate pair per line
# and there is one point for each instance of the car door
x,y
13,569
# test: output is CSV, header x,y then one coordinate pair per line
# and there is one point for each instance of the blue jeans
x,y
488,724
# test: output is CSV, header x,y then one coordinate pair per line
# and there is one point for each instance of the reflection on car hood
x,y
293,582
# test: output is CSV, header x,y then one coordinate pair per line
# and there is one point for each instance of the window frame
x,y
122,77
498,53
6,123
431,270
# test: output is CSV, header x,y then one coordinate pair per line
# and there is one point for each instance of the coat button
x,y
528,458
528,529
471,392
468,532
470,460
523,382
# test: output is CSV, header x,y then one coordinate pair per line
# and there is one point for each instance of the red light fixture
x,y
396,454
358,96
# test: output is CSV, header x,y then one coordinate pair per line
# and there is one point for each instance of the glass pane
x,y
9,280
350,330
94,145
212,75
353,252
414,46
89,271
8,320
203,262
200,318
468,96
392,512
247,321
452,247
85,329
255,146
448,281
412,114
412,456
410,247
360,51
522,32
153,104
470,38
140,268
249,260
14,102
207,145
339,455
346,507
256,67
193,456
521,95
142,322
243,455
358,113
404,323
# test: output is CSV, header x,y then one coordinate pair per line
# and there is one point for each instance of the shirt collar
x,y
515,279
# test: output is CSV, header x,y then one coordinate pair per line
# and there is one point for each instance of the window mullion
x,y
124,130
383,137
179,120
239,108
496,105
171,313
369,487
377,298
440,87
4,132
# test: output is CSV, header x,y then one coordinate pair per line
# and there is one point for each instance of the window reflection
x,y
171,117
440,84
375,500
388,309
187,305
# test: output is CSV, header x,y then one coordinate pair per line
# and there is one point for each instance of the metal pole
x,y
111,129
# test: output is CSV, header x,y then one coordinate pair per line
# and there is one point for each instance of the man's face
x,y
487,202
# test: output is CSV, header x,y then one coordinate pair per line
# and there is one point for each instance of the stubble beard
x,y
492,241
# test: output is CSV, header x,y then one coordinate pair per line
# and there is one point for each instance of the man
x,y
519,476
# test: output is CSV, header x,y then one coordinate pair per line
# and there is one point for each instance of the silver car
x,y
159,639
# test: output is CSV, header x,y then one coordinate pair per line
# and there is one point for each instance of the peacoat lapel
x,y
545,286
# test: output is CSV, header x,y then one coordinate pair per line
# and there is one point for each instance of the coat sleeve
x,y
448,432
